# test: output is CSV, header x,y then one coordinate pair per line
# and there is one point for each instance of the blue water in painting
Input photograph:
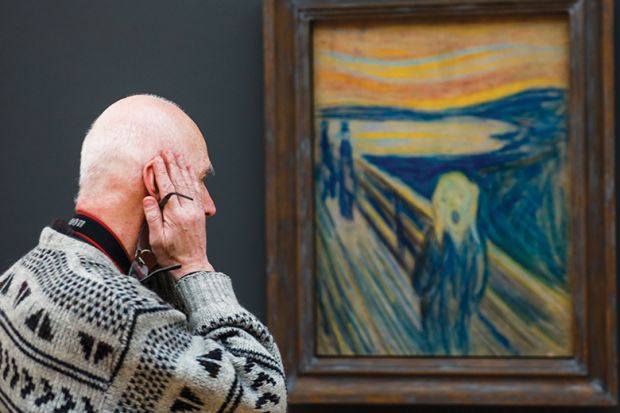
x,y
522,205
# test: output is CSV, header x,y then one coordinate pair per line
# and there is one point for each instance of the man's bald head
x,y
125,137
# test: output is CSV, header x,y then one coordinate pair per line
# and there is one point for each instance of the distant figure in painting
x,y
347,181
328,167
450,271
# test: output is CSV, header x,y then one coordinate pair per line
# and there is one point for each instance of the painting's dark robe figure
x,y
328,167
348,180
450,271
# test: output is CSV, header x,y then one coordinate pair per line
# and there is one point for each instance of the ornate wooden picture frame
x,y
351,86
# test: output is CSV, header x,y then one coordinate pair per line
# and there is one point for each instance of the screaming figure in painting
x,y
450,271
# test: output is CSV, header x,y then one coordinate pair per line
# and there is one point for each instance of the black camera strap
x,y
96,233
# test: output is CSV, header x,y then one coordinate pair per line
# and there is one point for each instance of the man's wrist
x,y
186,269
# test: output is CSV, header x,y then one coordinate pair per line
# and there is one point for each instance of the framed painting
x,y
441,200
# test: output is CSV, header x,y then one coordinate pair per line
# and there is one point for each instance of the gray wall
x,y
63,62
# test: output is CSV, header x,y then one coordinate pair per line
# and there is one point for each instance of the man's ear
x,y
148,177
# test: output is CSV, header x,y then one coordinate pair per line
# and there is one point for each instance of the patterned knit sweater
x,y
76,335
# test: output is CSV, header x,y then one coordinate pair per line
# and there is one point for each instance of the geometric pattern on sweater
x,y
80,298
234,339
158,358
78,336
241,320
162,349
76,293
41,393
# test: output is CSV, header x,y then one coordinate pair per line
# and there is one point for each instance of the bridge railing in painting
x,y
388,206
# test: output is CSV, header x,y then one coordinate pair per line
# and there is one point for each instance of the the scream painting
x,y
441,188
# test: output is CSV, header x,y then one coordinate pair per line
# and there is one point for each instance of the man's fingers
x,y
175,174
162,178
153,216
189,184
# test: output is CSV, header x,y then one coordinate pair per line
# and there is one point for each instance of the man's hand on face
x,y
177,234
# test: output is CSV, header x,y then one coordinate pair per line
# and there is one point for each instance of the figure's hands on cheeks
x,y
177,234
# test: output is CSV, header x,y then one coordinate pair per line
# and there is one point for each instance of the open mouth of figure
x,y
455,217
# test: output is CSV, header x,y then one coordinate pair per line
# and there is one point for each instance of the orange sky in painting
x,y
434,66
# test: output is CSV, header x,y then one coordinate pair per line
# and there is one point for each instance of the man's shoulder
x,y
83,288
70,316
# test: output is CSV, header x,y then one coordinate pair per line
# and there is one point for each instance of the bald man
x,y
79,329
